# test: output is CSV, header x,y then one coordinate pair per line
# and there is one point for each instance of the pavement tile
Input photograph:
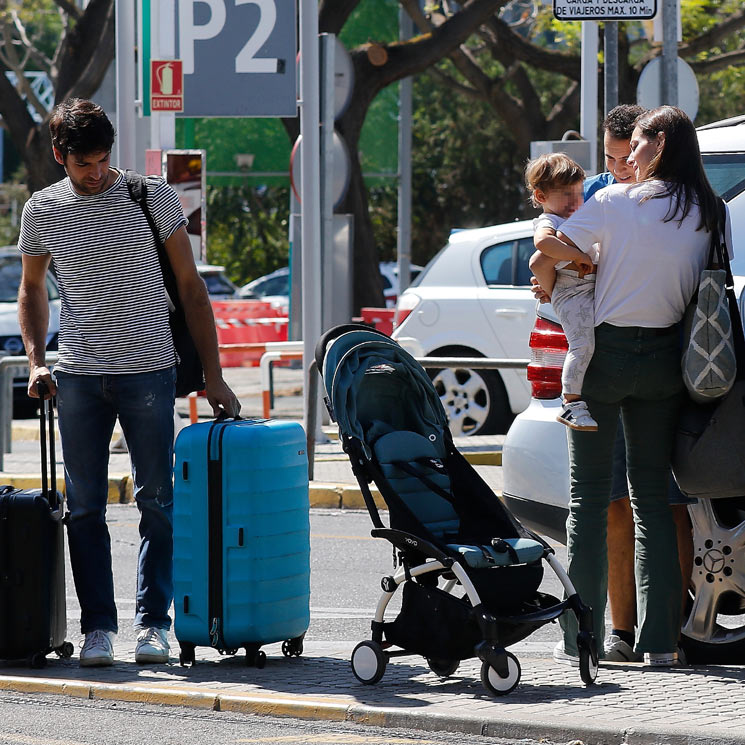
x,y
630,705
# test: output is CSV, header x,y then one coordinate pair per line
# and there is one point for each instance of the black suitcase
x,y
33,620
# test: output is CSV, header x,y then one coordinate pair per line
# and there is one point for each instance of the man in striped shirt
x,y
116,358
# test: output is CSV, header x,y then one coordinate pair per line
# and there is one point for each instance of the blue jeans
x,y
88,406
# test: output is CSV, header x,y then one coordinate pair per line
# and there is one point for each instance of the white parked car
x,y
11,343
473,299
535,458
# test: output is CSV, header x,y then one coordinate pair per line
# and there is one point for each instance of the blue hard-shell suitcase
x,y
241,537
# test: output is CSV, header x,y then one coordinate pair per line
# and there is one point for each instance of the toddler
x,y
566,274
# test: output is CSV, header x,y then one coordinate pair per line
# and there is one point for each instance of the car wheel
x,y
714,623
475,401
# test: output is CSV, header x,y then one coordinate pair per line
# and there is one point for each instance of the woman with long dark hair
x,y
654,237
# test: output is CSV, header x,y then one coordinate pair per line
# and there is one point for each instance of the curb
x,y
308,707
120,485
341,496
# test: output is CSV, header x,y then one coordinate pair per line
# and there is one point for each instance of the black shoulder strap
x,y
137,188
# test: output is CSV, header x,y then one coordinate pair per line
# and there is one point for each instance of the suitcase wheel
x,y
37,660
65,651
187,656
255,657
293,647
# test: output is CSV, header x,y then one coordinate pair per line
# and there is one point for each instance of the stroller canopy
x,y
358,370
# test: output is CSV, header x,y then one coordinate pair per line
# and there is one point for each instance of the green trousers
x,y
635,371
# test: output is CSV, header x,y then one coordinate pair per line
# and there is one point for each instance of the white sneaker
x,y
576,416
563,657
98,649
152,645
661,659
617,650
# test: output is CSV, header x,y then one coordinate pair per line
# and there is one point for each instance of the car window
x,y
726,172
52,291
218,285
272,286
10,278
386,282
507,263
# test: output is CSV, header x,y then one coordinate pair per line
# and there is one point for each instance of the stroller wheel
x,y
443,668
588,659
368,662
497,685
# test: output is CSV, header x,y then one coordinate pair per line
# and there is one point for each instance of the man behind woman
x,y
653,238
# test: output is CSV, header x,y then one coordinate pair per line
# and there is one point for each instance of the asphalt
x,y
629,704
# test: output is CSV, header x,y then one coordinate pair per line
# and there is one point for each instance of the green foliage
x,y
465,173
41,19
13,196
247,229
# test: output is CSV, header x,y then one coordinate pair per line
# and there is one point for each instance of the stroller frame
x,y
422,563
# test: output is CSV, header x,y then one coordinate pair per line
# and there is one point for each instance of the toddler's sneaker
x,y
661,659
617,650
576,416
98,649
563,657
152,646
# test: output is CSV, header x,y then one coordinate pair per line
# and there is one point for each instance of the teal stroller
x,y
469,571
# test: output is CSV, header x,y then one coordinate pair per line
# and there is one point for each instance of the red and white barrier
x,y
244,327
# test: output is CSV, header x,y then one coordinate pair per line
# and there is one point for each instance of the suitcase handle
x,y
46,416
224,417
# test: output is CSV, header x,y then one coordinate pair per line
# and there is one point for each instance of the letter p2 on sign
x,y
239,57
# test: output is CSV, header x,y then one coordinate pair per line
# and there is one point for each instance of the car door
x,y
506,299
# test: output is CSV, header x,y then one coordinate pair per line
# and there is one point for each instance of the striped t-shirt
x,y
114,313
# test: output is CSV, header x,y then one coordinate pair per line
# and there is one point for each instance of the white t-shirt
x,y
648,269
114,313
549,220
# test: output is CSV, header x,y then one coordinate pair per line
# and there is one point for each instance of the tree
x,y
529,72
526,68
73,47
377,65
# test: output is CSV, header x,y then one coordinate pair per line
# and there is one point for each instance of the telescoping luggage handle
x,y
46,414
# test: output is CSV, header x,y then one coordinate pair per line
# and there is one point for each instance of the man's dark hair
x,y
620,121
80,126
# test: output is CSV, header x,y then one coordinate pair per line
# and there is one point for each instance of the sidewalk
x,y
628,705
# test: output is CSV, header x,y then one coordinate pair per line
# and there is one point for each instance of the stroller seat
x,y
413,465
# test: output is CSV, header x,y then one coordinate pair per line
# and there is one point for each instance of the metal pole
x,y
328,43
669,66
403,248
588,113
125,83
310,207
610,69
162,46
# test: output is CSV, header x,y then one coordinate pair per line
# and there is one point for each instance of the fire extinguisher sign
x,y
166,85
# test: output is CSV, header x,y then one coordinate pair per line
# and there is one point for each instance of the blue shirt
x,y
595,183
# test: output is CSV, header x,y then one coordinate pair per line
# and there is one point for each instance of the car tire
x,y
475,401
718,571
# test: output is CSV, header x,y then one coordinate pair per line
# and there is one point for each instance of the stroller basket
x,y
470,571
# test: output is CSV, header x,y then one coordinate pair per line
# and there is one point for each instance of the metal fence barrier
x,y
472,363
12,367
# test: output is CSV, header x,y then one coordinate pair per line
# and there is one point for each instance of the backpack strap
x,y
137,188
